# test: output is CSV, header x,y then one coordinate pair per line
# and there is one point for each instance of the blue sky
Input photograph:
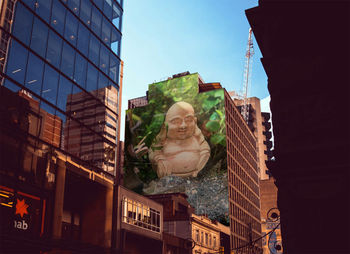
x,y
165,37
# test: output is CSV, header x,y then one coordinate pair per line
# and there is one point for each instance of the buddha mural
x,y
180,148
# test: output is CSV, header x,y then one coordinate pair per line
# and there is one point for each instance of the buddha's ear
x,y
195,120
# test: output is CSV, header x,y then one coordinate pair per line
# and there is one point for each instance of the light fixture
x,y
32,81
16,70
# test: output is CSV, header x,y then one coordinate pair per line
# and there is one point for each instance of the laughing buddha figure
x,y
180,148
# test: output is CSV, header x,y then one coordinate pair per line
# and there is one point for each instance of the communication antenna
x,y
247,76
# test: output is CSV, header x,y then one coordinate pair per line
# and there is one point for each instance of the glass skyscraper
x,y
63,58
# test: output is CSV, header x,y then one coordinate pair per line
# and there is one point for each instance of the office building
x,y
57,59
308,83
219,153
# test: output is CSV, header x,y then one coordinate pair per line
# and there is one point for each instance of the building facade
x,y
224,159
57,59
310,126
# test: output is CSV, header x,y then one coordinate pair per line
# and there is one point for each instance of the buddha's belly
x,y
183,163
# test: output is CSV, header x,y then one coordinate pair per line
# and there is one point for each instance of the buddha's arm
x,y
204,155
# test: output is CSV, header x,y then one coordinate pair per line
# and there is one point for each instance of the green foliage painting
x,y
144,126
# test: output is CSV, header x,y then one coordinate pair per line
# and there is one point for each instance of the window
x,y
206,238
43,9
39,37
74,6
106,32
34,74
64,89
107,8
85,12
67,63
83,39
96,19
116,14
94,50
202,240
53,53
70,31
115,41
58,16
114,68
80,70
102,81
197,235
23,24
214,241
104,59
17,62
209,240
91,82
138,214
49,90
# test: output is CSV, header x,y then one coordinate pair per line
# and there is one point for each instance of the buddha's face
x,y
181,121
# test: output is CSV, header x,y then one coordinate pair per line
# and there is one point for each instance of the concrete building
x,y
52,52
310,123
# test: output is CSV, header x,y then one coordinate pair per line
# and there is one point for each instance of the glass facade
x,y
63,57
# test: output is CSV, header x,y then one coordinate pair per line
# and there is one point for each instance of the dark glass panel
x,y
30,3
49,91
74,5
23,23
53,54
72,137
99,3
39,37
58,16
114,68
46,108
43,9
107,8
17,62
96,19
115,41
83,39
104,59
80,70
102,81
71,29
85,12
64,89
12,86
116,15
67,63
92,75
34,74
94,50
106,32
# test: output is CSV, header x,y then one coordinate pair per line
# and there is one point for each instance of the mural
x,y
177,143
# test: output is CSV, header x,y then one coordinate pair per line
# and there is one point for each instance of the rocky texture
x,y
207,195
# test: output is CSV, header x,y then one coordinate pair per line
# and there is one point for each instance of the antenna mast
x,y
247,76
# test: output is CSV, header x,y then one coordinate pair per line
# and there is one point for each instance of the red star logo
x,y
21,207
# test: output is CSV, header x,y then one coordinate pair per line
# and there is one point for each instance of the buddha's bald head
x,y
181,121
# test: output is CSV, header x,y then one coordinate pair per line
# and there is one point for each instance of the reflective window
x,y
71,29
11,86
83,39
85,12
53,53
114,68
80,70
39,37
29,3
94,50
23,24
106,31
99,3
74,5
17,62
91,82
47,109
50,83
96,19
107,8
116,15
115,41
67,63
64,89
58,16
43,9
104,59
102,81
34,75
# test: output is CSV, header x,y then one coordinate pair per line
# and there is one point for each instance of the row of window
x,y
241,215
138,214
252,182
204,238
102,67
245,191
65,22
244,203
43,80
244,246
50,125
237,122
